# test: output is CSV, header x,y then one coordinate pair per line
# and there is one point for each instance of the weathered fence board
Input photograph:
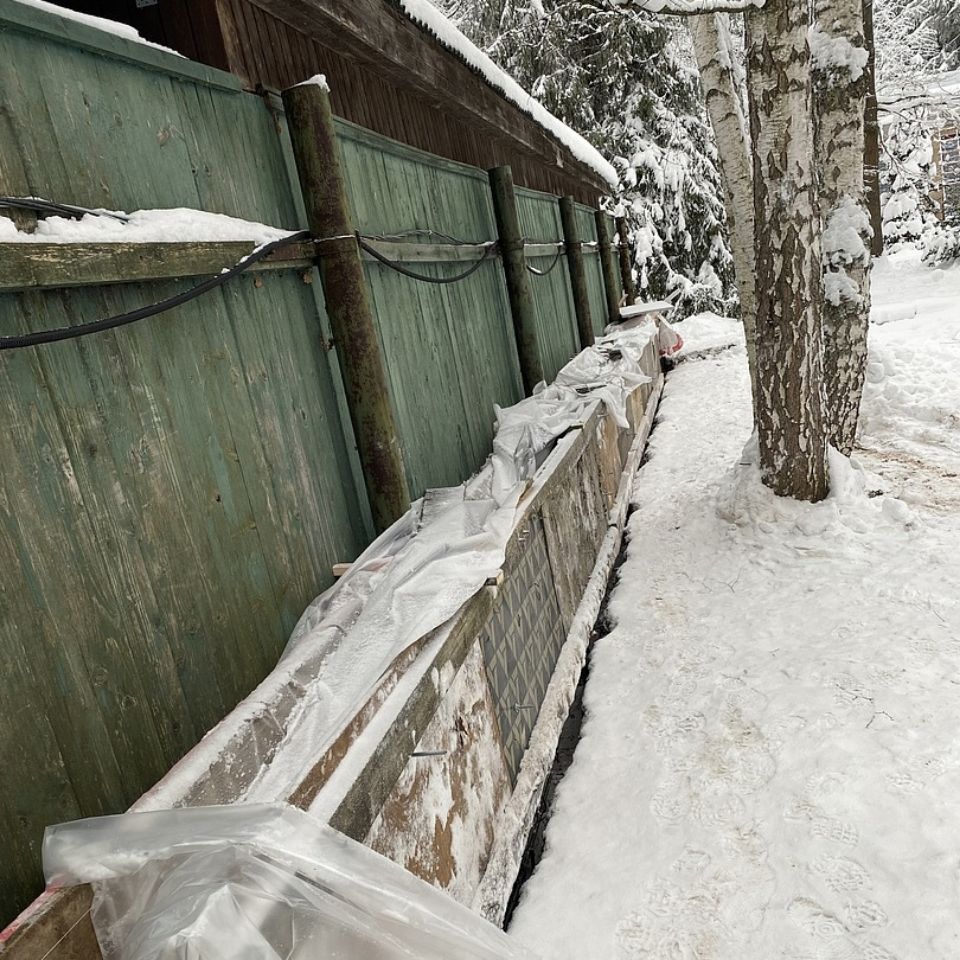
x,y
553,301
587,226
174,493
148,137
449,349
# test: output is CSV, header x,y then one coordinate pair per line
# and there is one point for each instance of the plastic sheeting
x,y
260,882
409,581
426,566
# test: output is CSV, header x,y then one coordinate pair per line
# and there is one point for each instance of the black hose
x,y
418,232
60,209
423,278
122,319
543,273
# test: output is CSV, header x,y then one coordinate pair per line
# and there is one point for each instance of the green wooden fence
x,y
587,227
553,301
449,350
175,492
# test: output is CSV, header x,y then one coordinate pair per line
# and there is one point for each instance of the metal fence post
x,y
518,282
626,271
608,267
320,170
578,276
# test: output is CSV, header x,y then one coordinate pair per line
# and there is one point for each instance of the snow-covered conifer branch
x,y
687,8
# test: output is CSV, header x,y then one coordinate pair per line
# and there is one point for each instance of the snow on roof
x,y
427,15
929,88
947,82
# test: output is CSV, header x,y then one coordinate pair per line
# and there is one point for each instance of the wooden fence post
x,y
578,276
518,282
626,271
607,267
319,168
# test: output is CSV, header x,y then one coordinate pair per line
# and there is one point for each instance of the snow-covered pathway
x,y
770,764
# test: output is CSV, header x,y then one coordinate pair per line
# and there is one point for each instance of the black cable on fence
x,y
543,273
151,310
418,232
490,250
37,205
59,209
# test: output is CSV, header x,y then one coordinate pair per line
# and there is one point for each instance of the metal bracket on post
x,y
578,276
515,270
607,267
322,183
626,271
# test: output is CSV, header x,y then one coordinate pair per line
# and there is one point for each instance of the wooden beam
x,y
518,280
324,189
403,252
578,276
32,266
37,266
626,268
542,249
608,268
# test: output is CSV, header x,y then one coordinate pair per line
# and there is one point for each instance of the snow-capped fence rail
x,y
176,492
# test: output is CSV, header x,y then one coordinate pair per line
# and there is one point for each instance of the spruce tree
x,y
625,80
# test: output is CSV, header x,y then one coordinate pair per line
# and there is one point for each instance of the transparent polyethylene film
x,y
259,882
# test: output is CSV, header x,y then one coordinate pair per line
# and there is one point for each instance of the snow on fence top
x,y
429,17
177,225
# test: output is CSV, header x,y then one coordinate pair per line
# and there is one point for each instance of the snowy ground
x,y
770,765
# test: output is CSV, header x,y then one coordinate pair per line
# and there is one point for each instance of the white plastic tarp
x,y
259,882
408,582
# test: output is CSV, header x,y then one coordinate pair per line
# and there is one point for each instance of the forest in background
x,y
627,80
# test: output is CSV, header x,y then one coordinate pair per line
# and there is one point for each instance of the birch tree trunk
x,y
718,76
841,78
792,441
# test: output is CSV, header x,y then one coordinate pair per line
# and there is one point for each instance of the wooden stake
x,y
319,167
626,271
608,267
518,282
578,276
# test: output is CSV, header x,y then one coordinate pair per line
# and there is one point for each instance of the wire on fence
x,y
543,273
122,319
18,341
37,205
490,250
420,232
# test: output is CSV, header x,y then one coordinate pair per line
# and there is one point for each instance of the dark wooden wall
x,y
386,73
191,27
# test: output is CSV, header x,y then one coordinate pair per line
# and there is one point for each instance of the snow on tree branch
x,y
686,8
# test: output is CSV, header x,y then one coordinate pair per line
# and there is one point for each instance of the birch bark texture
x,y
720,78
841,80
789,402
